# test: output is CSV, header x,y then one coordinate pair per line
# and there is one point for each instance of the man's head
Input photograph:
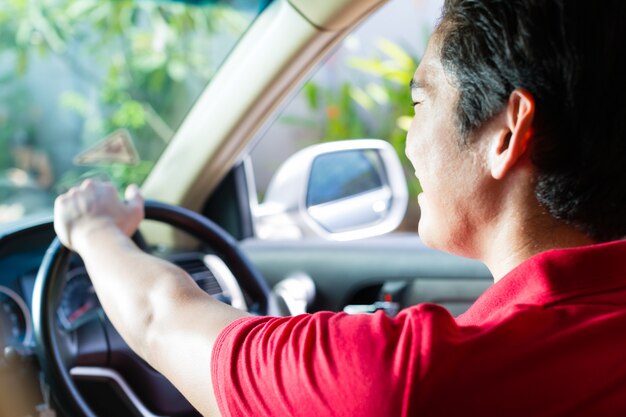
x,y
564,60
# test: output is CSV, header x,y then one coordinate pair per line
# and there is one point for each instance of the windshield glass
x,y
98,88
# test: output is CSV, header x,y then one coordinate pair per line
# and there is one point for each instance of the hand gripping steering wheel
x,y
96,343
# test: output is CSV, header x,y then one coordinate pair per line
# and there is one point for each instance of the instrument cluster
x,y
16,327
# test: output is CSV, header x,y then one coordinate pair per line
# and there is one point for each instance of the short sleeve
x,y
317,365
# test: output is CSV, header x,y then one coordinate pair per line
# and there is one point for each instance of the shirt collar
x,y
553,276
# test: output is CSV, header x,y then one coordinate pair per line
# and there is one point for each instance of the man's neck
x,y
522,237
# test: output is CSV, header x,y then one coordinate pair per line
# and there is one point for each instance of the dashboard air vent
x,y
201,274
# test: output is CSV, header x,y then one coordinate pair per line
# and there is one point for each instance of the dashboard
x,y
15,322
21,252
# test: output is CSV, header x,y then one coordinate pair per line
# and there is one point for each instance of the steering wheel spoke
x,y
90,344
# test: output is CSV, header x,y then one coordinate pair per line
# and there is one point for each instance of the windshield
x,y
98,88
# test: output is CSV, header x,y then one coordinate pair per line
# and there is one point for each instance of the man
x,y
519,142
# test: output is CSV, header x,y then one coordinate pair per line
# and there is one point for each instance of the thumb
x,y
133,197
134,205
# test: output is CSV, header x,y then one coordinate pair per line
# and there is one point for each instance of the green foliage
x,y
379,106
145,62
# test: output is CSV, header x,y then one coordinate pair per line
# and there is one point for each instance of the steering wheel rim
x,y
49,285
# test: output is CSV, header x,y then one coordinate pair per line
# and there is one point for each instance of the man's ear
x,y
514,136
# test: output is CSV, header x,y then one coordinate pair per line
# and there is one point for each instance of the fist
x,y
94,205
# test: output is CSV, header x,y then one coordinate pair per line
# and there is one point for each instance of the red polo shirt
x,y
548,339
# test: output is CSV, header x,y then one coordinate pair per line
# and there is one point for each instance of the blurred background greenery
x,y
122,64
380,107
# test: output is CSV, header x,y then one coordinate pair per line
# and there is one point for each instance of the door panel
x,y
354,272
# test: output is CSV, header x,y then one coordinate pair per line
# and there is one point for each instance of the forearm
x,y
125,279
141,294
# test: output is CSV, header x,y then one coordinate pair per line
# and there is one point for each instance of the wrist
x,y
87,231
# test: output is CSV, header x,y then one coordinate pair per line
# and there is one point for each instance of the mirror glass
x,y
338,175
348,190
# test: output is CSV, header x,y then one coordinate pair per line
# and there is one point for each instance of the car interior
x,y
61,354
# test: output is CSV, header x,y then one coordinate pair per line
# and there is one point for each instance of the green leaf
x,y
361,98
157,80
372,66
24,30
142,42
177,70
75,101
130,114
311,93
404,122
149,62
400,57
378,93
21,63
47,30
79,8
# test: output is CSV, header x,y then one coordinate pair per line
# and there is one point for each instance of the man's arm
x,y
155,306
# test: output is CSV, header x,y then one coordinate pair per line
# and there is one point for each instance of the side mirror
x,y
338,191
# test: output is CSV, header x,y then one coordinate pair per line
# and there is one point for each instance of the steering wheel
x,y
97,346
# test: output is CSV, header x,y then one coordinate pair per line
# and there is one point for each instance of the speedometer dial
x,y
79,301
15,323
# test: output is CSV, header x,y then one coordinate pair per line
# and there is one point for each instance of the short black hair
x,y
570,55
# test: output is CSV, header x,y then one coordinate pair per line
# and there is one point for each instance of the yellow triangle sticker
x,y
117,148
